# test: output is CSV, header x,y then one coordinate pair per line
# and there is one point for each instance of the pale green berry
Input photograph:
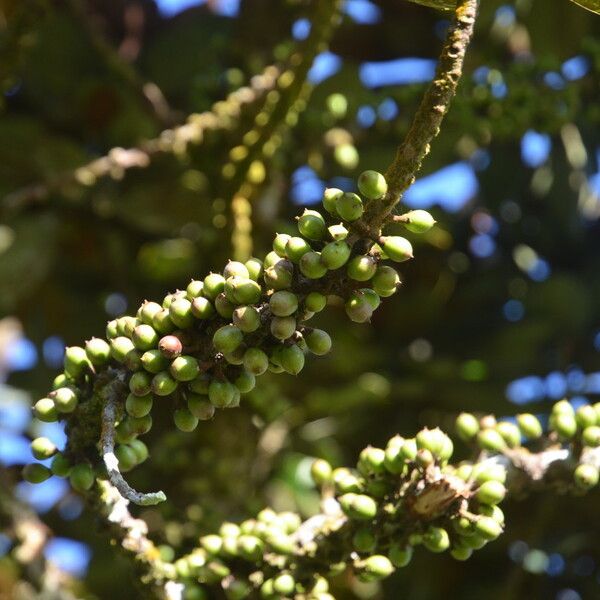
x,y
120,347
223,306
311,265
153,361
279,276
246,318
397,248
358,506
318,341
283,327
144,337
42,448
591,436
488,528
292,359
338,232
529,425
82,477
245,382
320,471
140,383
400,555
284,584
202,308
349,206
436,539
45,410
222,393
330,197
76,361
65,399
200,407
180,313
491,492
61,467
586,476
242,290
213,285
361,268
335,254
255,361
510,433
315,302
184,420
162,322
97,351
372,185
418,221
235,269
140,449
279,244
255,268
376,567
490,439
227,338
296,248
283,303
312,225
126,456
358,308
163,384
138,406
467,426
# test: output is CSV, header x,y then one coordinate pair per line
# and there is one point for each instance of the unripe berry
x,y
126,456
349,206
495,512
397,248
82,477
180,313
246,318
76,361
358,308
140,383
65,399
399,555
330,197
61,467
529,425
222,393
320,471
284,584
184,420
591,436
338,232
461,553
213,285
491,492
283,303
97,351
202,308
376,567
153,361
45,410
371,460
120,347
280,243
138,406
372,185
184,368
163,384
292,359
144,337
140,449
311,265
335,254
467,426
162,322
245,382
126,325
200,407
223,306
250,547
394,461
255,361
490,439
42,448
315,302
194,289
111,329
296,248
233,268
585,416
36,473
362,268
318,342
488,528
62,380
139,425
510,433
486,471
271,259
242,290
279,276
147,311
436,539
358,506
227,338
312,225
586,476
346,481
564,424
283,327
418,221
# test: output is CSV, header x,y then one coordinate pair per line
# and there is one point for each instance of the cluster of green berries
x,y
580,429
203,347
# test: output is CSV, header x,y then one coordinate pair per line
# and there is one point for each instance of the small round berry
x,y
36,473
97,351
530,426
400,555
419,221
358,506
222,393
358,308
170,346
140,449
184,368
483,472
385,281
246,318
362,268
223,306
194,289
311,265
376,567
283,327
120,347
272,258
162,322
280,243
296,248
245,382
147,312
82,477
138,406
255,361
564,424
235,269
213,285
591,436
255,268
292,359
180,313
140,383
61,467
510,433
349,206
397,248
144,337
242,290
488,528
461,553
202,308
42,448
335,254
45,410
491,492
200,384
65,399
586,416
371,460
153,361
320,471
139,425
279,276
338,232
283,303
184,420
490,439
318,342
76,361
200,407
227,338
126,325
436,539
586,476
312,225
61,380
126,456
111,330
284,584
467,426
372,185
163,384
330,197
315,302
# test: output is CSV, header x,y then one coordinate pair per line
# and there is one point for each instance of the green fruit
x,y
61,380
318,342
45,410
65,399
311,265
564,424
256,361
585,416
147,312
397,248
153,361
76,361
349,206
36,473
563,408
591,436
330,197
376,567
371,460
491,492
483,472
162,322
529,425
140,425
250,547
184,368
283,327
280,243
82,477
338,232
436,539
138,406
140,449
362,268
120,347
315,302
126,325
372,185
467,426
490,439
296,248
213,285
488,528
292,359
202,308
180,313
320,471
335,254
194,289
279,276
272,258
418,221
140,383
358,308
245,382
385,281
144,337
163,384
61,467
200,407
200,384
495,512
255,268
460,553
399,555
184,420
126,456
235,269
510,433
111,329
242,290
586,476
312,225
42,448
223,306
227,338
284,584
358,506
222,393
97,351
236,357
246,318
283,303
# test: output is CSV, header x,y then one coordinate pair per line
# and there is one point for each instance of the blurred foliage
x,y
466,324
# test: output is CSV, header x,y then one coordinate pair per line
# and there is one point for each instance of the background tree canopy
x,y
124,173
